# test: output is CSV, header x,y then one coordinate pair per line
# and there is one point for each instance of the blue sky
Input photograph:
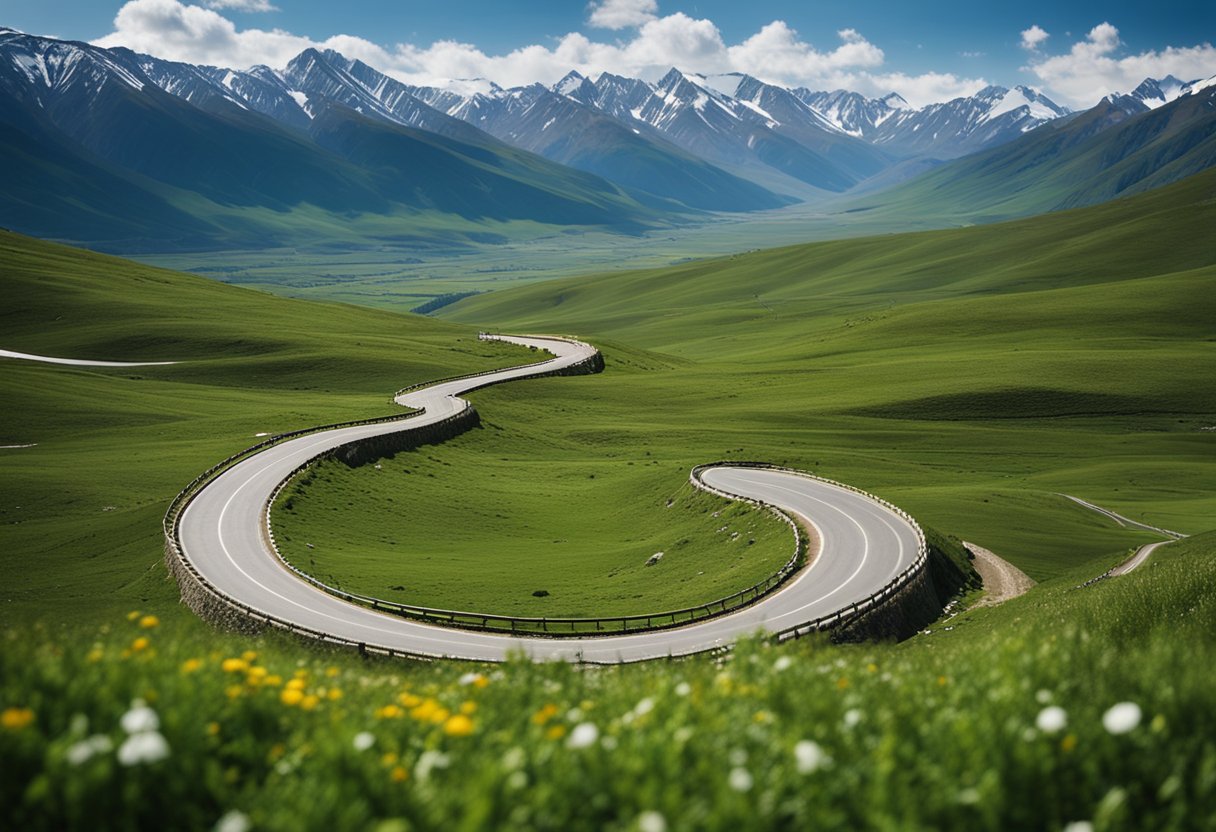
x,y
1076,51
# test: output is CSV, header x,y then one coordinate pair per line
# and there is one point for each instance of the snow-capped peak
x,y
1037,105
896,101
570,83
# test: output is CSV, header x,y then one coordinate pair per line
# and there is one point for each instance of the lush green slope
x,y
968,375
1061,706
80,509
1099,155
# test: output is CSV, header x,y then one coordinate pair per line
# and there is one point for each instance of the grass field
x,y
967,376
1098,702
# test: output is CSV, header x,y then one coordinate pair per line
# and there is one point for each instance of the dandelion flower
x,y
140,644
808,756
233,821
740,779
291,697
363,740
310,702
556,732
295,684
14,719
583,735
132,615
472,679
652,822
1121,718
144,747
399,774
1051,719
234,665
149,622
140,718
191,665
458,726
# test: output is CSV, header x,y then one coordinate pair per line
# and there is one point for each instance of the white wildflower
x,y
683,689
851,717
517,780
363,740
1042,696
782,663
809,756
1121,718
233,821
740,779
471,678
140,718
428,761
609,743
144,747
1051,719
652,822
1079,826
583,735
81,752
513,759
644,707
737,756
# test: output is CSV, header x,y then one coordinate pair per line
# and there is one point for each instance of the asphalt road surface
x,y
863,546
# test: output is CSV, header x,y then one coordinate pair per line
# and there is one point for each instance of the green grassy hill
x,y
968,375
81,509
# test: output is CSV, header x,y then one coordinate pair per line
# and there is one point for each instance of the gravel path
x,y
1002,580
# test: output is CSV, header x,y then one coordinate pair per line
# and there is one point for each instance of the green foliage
x,y
950,730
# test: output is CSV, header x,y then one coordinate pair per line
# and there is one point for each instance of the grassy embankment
x,y
1063,705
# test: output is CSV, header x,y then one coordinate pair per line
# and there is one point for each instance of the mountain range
x,y
129,152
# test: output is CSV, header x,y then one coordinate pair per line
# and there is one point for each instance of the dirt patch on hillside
x,y
1002,580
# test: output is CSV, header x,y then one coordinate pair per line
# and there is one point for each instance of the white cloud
x,y
174,30
1032,37
242,5
622,14
1092,68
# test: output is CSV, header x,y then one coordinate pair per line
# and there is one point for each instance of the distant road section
x,y
80,362
864,545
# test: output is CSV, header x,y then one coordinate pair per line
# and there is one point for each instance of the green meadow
x,y
969,376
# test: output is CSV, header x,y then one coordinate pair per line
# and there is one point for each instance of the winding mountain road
x,y
864,545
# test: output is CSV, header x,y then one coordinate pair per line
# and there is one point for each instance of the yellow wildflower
x,y
389,712
14,719
1068,743
333,694
234,665
295,684
132,615
468,708
213,729
149,622
249,655
389,759
842,683
191,665
258,673
556,732
873,668
409,700
301,674
233,691
273,680
399,775
331,672
140,643
310,702
762,717
544,714
95,655
942,680
290,697
276,752
458,726
425,711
